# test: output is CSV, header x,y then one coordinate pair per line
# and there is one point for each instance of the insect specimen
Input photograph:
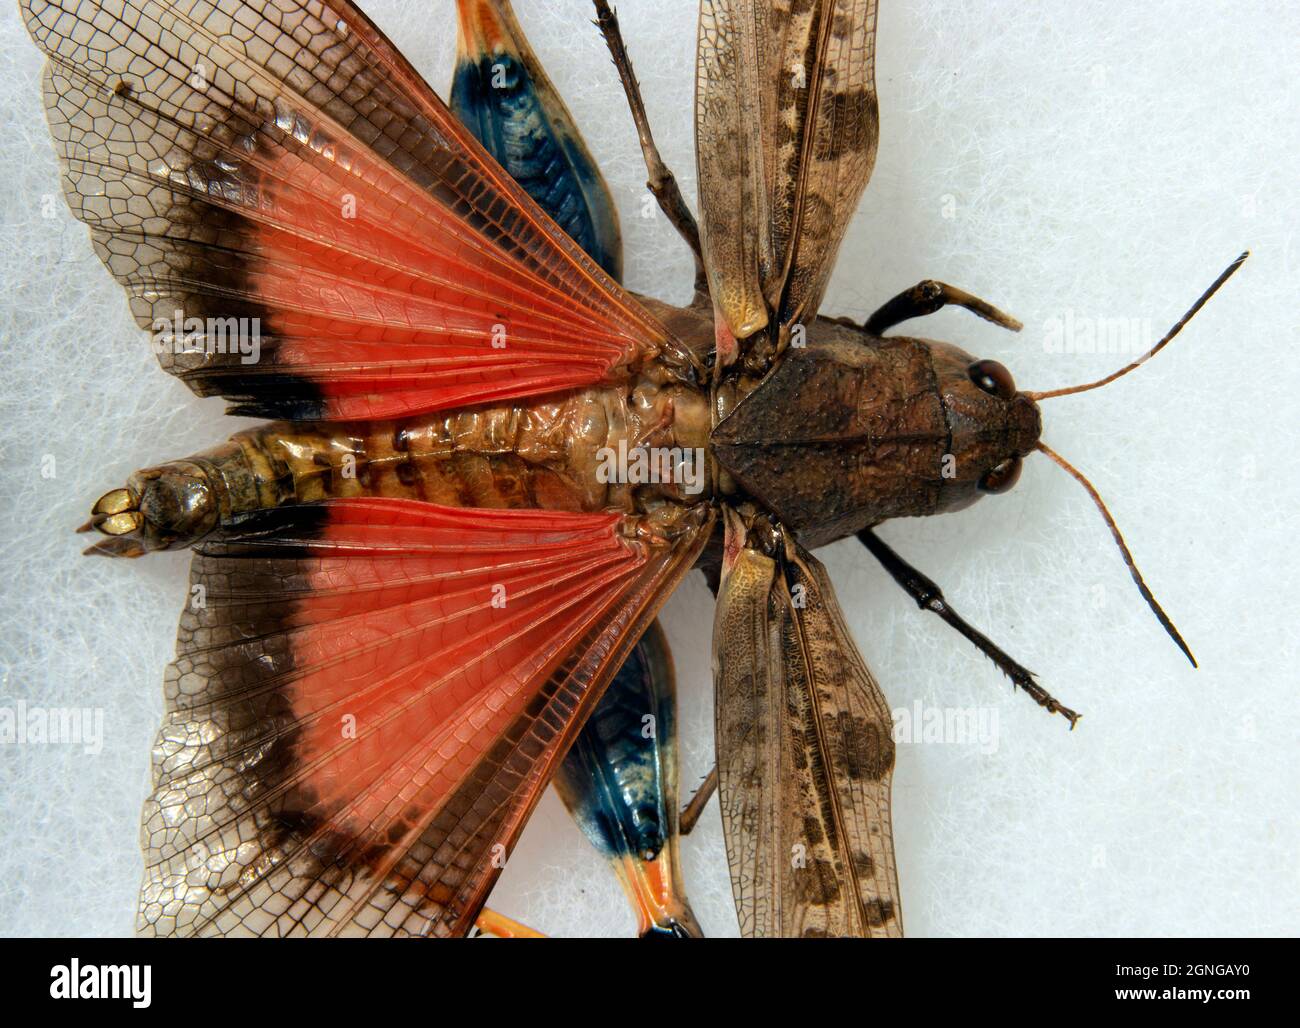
x,y
411,591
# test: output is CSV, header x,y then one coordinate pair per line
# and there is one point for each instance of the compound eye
x,y
1002,477
993,378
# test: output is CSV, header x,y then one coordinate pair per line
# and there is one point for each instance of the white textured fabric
x,y
1068,162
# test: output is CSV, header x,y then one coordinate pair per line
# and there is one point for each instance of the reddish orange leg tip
x,y
498,926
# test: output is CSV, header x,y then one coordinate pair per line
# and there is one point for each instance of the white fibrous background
x,y
1071,163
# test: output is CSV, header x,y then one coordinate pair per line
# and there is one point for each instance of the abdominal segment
x,y
579,451
540,455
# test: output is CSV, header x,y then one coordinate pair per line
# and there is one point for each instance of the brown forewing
x,y
805,754
786,129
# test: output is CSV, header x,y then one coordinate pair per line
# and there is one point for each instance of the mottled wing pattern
x,y
275,170
786,128
805,753
369,697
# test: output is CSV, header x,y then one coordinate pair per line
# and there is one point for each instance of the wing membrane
x,y
369,697
805,753
786,128
278,162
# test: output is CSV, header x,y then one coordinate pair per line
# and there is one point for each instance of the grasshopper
x,y
421,577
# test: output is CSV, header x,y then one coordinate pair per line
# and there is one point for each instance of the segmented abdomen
x,y
537,455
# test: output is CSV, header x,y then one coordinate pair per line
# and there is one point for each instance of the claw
x,y
1052,706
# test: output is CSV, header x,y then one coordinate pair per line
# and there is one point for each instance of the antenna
x,y
1161,616
1205,296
